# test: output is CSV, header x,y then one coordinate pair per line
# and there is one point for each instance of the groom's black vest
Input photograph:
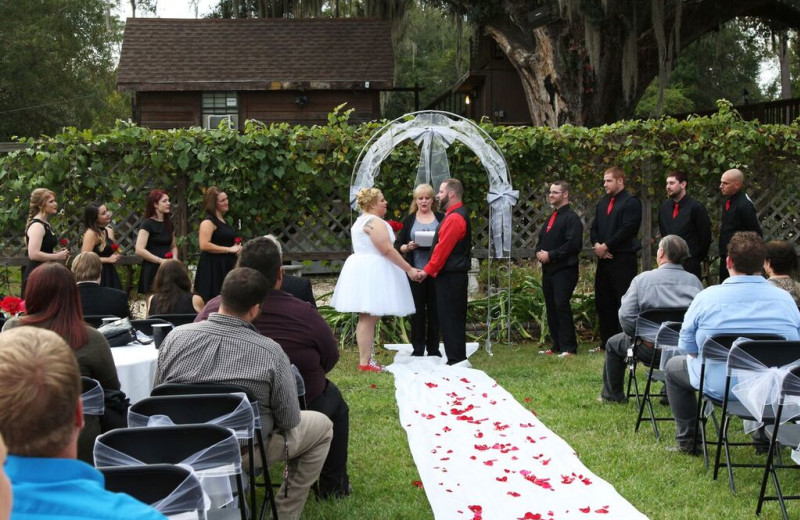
x,y
459,259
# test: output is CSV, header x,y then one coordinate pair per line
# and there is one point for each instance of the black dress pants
x,y
425,321
333,479
558,288
692,265
451,301
612,279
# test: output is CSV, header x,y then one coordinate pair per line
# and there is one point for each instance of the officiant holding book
x,y
414,242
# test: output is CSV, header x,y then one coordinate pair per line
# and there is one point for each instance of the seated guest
x,y
780,265
298,287
172,291
95,299
227,349
309,342
669,286
744,302
40,417
52,303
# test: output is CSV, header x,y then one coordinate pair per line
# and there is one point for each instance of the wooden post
x,y
647,216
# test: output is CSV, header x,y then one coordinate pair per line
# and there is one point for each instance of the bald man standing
x,y
738,214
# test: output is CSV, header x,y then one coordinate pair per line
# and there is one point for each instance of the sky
x,y
172,9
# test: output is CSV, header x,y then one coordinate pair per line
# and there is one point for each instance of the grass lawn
x,y
562,392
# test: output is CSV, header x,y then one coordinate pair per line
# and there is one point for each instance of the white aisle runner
x,y
481,455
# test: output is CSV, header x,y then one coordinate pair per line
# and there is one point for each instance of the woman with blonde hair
x,y
371,282
421,222
98,238
39,237
218,245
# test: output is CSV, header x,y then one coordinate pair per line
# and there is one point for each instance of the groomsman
x,y
559,245
614,237
684,216
738,214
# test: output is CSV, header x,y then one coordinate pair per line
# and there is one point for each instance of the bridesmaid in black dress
x,y
156,239
218,245
39,237
99,238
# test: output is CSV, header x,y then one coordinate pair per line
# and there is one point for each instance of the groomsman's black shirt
x,y
741,216
564,241
691,224
619,229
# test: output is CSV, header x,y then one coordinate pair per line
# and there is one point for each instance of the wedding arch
x,y
433,132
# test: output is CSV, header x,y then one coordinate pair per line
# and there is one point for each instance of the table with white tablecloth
x,y
136,369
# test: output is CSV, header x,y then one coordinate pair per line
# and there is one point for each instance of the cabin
x,y
204,72
490,89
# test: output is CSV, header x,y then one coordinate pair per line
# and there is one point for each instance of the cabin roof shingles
x,y
255,53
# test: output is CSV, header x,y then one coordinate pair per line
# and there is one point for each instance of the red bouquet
x,y
395,225
237,240
168,255
11,305
64,242
115,247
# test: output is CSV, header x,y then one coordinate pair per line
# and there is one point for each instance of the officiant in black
x,y
414,243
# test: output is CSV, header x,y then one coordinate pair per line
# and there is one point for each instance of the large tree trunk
x,y
595,74
783,59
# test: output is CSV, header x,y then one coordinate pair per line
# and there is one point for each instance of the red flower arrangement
x,y
11,305
237,240
64,242
395,225
115,247
168,255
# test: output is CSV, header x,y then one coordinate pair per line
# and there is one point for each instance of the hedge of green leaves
x,y
278,173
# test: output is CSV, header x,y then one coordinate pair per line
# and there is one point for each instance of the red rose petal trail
x,y
486,456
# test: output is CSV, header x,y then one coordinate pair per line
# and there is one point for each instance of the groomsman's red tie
x,y
675,211
610,205
727,204
552,220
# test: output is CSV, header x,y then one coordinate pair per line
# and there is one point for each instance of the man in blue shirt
x,y
745,302
40,418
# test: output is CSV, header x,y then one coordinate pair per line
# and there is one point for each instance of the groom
x,y
449,264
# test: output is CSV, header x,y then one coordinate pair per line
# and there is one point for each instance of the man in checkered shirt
x,y
228,349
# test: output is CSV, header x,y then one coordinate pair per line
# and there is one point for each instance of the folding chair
x,y
665,345
228,388
176,319
741,360
715,351
232,411
211,450
782,433
648,324
92,397
96,320
169,489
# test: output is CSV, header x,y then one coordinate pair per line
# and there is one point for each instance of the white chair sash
x,y
757,386
667,342
180,504
241,420
93,400
213,466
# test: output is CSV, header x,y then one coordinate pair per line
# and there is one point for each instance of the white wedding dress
x,y
369,282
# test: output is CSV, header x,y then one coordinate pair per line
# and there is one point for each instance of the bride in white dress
x,y
372,282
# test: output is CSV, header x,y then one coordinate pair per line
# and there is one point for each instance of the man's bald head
x,y
731,182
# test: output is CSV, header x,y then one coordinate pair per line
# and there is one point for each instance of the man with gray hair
x,y
669,286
